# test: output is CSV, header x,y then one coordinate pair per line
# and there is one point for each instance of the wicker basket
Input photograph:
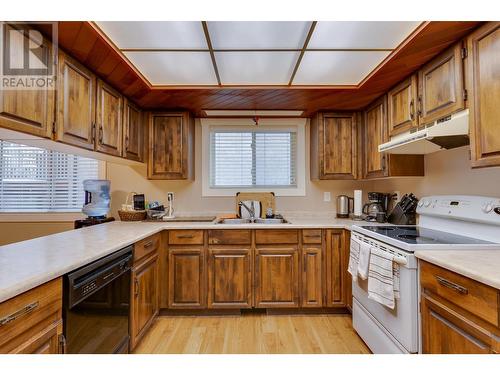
x,y
132,215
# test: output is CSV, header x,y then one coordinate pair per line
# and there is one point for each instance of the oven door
x,y
388,330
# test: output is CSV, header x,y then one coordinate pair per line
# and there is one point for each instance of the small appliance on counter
x,y
97,203
376,210
344,207
404,213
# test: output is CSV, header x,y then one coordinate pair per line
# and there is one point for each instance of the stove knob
x,y
420,203
427,203
488,208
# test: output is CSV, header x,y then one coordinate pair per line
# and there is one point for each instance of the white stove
x,y
449,222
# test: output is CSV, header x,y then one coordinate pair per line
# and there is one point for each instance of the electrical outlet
x,y
327,196
396,196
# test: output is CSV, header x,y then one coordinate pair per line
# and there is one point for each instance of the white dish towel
x,y
364,260
383,278
354,259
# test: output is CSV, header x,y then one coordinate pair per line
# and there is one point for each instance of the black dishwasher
x,y
97,305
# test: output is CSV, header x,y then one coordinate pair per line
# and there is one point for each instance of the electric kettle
x,y
344,206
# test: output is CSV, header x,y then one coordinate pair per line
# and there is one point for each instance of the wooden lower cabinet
x,y
277,276
186,278
144,299
312,276
230,272
31,323
335,262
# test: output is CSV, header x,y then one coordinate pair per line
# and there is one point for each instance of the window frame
x,y
55,216
297,125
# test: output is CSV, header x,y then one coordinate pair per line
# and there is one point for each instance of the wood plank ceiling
x,y
85,42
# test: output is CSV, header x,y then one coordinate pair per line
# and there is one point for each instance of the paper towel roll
x,y
358,202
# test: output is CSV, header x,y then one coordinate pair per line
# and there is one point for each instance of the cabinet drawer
x,y
311,236
24,316
470,295
229,237
146,246
185,237
276,236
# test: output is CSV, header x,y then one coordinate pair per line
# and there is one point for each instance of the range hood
x,y
449,132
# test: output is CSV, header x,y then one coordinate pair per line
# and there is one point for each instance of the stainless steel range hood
x,y
449,132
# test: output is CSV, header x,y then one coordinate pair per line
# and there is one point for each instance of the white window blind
x,y
253,159
38,180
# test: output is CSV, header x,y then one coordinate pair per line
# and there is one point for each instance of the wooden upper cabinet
x,y
133,132
28,111
75,103
375,133
440,86
334,146
277,277
483,88
109,120
402,102
171,147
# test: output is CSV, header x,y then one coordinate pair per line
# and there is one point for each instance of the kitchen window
x,y
241,156
36,180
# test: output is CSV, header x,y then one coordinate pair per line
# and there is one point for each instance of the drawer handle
x,y
148,244
448,284
185,236
19,313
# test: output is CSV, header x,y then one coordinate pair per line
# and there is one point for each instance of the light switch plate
x,y
327,196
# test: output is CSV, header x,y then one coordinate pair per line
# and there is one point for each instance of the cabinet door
x,y
171,152
75,103
483,87
27,111
375,133
338,157
109,120
187,280
445,331
144,299
312,279
334,263
230,277
48,341
441,86
277,277
401,106
133,132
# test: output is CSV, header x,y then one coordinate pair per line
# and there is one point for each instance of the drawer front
x,y
276,236
470,295
312,236
146,246
23,317
230,237
185,237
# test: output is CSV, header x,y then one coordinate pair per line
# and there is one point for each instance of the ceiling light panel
x,y
174,68
337,68
255,68
360,34
155,34
258,35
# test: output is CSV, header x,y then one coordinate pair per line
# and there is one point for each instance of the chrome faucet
x,y
250,210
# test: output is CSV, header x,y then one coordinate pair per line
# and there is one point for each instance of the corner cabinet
x,y
109,120
402,101
171,146
133,132
375,132
334,146
28,111
483,88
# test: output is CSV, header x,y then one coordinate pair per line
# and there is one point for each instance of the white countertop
x,y
28,264
479,265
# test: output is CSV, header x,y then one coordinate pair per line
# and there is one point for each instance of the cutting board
x,y
267,199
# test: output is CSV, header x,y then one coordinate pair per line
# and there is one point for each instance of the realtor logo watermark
x,y
27,57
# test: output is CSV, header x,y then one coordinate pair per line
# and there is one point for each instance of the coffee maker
x,y
97,203
376,209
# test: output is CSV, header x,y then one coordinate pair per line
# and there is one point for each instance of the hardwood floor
x,y
253,333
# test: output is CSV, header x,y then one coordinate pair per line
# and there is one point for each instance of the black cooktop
x,y
414,235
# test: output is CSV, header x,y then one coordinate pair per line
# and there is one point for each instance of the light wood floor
x,y
254,333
